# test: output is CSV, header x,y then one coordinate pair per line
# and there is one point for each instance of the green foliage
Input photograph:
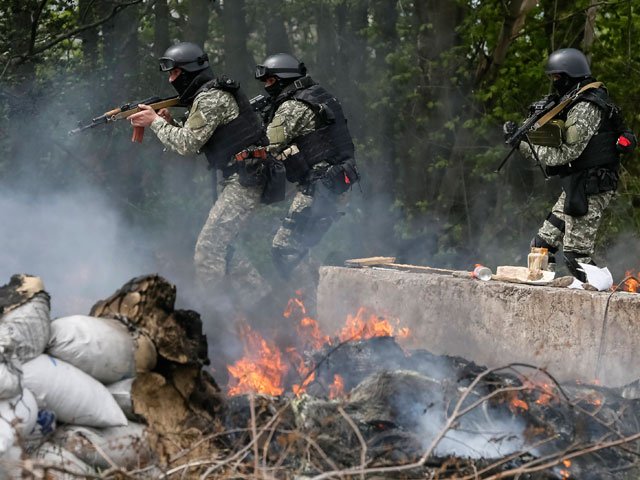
x,y
425,95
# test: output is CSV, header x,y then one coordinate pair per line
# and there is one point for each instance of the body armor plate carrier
x,y
331,141
242,132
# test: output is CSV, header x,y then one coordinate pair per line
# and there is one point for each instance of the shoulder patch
x,y
196,121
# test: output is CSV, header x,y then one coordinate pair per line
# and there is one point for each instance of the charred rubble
x,y
418,415
400,413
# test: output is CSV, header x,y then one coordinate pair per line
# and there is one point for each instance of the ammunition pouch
x,y
340,178
295,164
275,181
256,167
250,166
551,134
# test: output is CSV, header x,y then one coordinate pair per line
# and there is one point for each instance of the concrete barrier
x,y
494,323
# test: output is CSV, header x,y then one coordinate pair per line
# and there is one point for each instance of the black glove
x,y
509,128
627,142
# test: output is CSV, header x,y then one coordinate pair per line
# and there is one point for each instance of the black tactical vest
x,y
601,150
242,132
331,141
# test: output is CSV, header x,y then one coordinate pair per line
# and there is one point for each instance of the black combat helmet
x,y
569,61
193,63
186,56
282,66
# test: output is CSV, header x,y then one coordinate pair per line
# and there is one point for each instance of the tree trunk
x,y
589,28
239,63
384,168
90,39
512,24
326,47
161,28
197,28
351,62
277,40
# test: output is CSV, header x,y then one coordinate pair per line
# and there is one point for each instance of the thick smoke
x,y
75,241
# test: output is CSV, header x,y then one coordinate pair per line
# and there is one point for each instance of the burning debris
x,y
361,403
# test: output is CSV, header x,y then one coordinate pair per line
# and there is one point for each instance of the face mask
x,y
181,83
274,89
563,85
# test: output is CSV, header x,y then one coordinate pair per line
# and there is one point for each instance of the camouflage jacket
x,y
291,120
210,109
583,120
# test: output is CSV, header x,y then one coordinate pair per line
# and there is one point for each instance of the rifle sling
x,y
562,105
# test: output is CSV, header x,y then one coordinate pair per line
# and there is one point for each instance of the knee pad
x,y
556,221
539,242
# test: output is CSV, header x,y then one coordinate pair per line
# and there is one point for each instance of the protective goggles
x,y
263,72
167,63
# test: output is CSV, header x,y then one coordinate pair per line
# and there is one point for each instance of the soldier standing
x,y
308,131
587,160
220,123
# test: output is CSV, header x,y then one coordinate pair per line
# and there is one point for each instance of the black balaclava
x,y
188,83
566,83
276,88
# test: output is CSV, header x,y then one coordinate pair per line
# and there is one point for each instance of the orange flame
x,y
310,332
365,325
304,371
516,403
565,472
261,370
336,389
631,284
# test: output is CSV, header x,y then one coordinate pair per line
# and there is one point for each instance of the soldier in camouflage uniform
x,y
307,130
587,160
220,123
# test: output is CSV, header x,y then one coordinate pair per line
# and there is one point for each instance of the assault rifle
x,y
261,104
541,112
516,135
125,111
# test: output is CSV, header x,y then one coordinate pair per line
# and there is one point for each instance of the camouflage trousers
x,y
312,212
579,234
214,259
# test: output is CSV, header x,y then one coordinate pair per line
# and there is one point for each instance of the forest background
x,y
426,85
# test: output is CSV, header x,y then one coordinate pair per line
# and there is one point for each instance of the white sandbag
x,y
25,329
101,347
74,396
18,417
50,454
10,464
10,377
121,392
126,447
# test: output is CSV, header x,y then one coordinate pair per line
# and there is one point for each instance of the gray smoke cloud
x,y
75,241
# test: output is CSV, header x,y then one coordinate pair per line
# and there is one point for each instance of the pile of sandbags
x,y
85,393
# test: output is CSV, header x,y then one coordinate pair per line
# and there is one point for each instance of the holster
x,y
576,202
579,185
